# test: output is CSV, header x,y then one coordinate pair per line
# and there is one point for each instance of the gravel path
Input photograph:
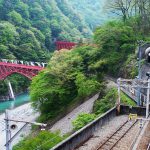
x,y
24,112
65,124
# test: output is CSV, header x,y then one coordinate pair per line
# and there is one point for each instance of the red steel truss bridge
x,y
27,69
64,45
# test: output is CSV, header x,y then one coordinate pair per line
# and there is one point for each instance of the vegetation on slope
x,y
115,41
67,79
73,75
28,30
43,141
82,120
102,105
108,101
28,27
92,11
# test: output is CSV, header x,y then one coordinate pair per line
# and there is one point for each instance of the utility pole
x,y
139,70
9,139
7,131
119,96
147,103
140,42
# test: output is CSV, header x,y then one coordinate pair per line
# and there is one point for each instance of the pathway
x,y
65,124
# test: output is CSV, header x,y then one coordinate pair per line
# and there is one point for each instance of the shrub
x,y
109,100
82,120
43,141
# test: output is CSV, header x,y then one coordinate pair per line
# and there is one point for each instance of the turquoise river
x,y
19,100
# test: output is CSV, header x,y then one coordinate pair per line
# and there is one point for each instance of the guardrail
x,y
28,63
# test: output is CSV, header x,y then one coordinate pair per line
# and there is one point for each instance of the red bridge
x,y
64,45
27,69
8,68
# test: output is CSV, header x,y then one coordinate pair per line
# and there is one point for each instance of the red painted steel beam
x,y
7,69
64,45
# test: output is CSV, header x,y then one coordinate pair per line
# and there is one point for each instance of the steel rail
x,y
117,131
111,135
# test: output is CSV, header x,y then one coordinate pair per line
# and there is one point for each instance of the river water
x,y
19,100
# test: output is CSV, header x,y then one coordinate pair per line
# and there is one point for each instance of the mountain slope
x,y
93,11
28,28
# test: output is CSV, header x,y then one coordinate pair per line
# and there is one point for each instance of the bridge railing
x,y
27,63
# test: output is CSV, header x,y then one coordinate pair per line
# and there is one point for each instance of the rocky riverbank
x,y
24,112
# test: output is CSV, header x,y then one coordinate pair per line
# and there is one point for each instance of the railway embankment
x,y
110,119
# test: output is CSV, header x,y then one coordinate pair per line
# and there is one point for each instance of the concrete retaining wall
x,y
85,133
140,111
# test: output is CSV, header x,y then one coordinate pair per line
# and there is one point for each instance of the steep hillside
x,y
29,28
93,11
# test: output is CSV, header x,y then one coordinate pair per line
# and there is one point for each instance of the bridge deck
x,y
20,66
29,71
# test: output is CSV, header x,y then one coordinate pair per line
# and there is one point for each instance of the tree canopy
x,y
34,24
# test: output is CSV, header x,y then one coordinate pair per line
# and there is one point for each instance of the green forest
x,y
28,32
29,29
93,11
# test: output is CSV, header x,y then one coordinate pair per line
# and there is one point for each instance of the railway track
x,y
113,140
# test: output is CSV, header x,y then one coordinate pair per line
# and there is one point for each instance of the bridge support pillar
x,y
11,92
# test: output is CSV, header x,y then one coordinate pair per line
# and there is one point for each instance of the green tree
x,y
3,51
23,9
59,90
86,86
115,41
8,33
15,18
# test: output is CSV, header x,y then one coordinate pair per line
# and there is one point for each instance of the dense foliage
x,y
92,11
82,120
29,29
115,41
74,75
66,79
43,141
108,101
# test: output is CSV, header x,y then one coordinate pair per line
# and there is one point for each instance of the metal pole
x,y
7,130
139,73
147,103
119,97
